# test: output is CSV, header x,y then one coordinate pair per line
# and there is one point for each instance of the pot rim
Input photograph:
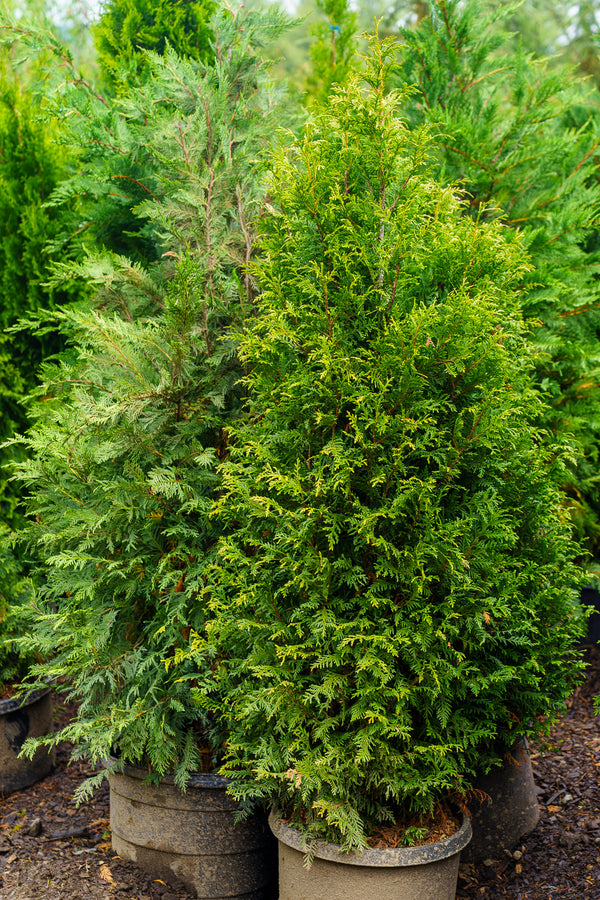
x,y
400,856
11,704
200,780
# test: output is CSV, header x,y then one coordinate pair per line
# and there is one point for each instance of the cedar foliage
x,y
394,598
130,425
522,139
127,27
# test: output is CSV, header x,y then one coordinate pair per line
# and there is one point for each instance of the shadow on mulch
x,y
51,850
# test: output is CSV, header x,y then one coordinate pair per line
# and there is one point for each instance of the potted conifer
x,y
129,427
394,600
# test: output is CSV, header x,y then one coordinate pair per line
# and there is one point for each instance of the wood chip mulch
x,y
560,860
52,850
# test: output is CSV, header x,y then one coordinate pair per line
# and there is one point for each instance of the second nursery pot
x,y
507,809
22,718
191,837
427,872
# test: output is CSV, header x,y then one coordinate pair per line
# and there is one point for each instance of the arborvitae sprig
x,y
522,137
396,591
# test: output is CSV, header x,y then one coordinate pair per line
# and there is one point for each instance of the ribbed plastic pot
x,y
22,718
191,837
429,872
510,813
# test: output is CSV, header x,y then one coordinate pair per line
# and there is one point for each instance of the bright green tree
x,y
395,585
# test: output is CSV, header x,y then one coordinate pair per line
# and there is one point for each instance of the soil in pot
x,y
427,872
22,718
191,837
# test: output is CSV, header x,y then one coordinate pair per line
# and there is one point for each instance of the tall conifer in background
x,y
524,141
113,174
332,50
32,163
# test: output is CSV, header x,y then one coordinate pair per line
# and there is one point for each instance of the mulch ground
x,y
560,859
51,850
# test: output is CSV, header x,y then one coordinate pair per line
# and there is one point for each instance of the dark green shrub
x,y
15,615
31,166
395,597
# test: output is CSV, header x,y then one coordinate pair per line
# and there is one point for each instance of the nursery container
x,y
191,837
508,811
591,597
22,718
429,872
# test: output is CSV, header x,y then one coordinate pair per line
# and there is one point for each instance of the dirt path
x,y
50,850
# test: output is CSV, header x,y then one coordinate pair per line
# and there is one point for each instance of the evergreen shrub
x,y
127,27
521,135
32,165
15,615
394,590
130,425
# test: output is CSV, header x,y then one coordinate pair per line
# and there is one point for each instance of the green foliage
x,y
127,27
31,166
120,159
394,597
15,605
130,422
332,50
523,140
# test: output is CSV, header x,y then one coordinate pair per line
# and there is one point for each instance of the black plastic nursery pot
x,y
191,837
591,597
429,872
22,718
505,809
